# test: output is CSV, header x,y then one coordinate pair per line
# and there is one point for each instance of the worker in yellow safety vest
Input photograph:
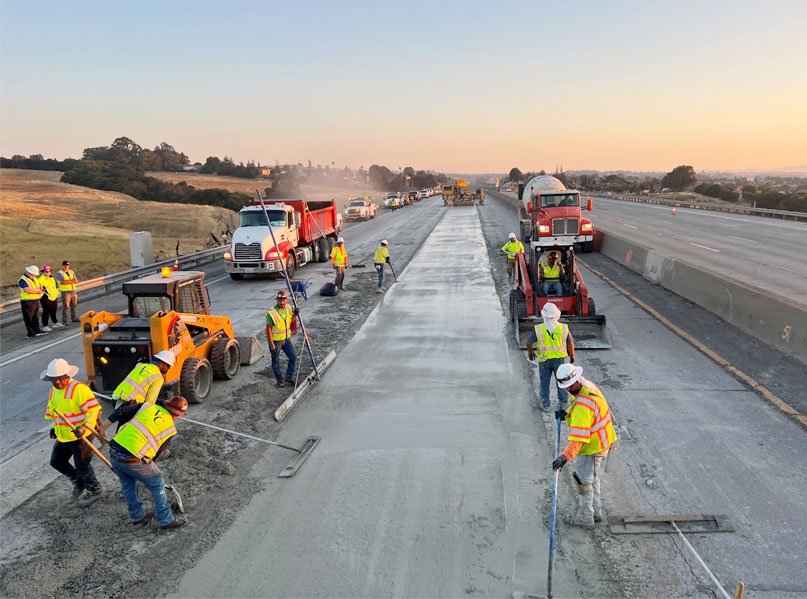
x,y
50,301
511,248
145,430
30,293
550,273
143,383
68,283
380,258
281,324
76,402
591,437
555,344
339,261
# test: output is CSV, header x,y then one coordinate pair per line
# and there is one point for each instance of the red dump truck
x,y
305,232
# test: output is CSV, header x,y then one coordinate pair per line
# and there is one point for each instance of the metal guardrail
x,y
106,283
737,209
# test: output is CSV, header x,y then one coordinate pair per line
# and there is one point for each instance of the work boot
x,y
145,519
164,455
177,523
379,290
290,382
78,489
281,383
598,515
575,520
90,497
546,409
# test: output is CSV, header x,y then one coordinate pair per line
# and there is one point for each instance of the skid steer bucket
x,y
589,332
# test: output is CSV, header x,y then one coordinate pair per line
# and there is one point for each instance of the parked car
x,y
424,193
392,201
360,209
414,196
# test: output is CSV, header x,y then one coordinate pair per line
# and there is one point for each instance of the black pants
x,y
48,310
82,476
30,316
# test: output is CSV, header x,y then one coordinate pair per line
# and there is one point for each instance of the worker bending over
x,y
381,258
145,430
555,344
143,383
339,261
511,248
281,324
591,434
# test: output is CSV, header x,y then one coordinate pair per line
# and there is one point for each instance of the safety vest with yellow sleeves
x,y
551,274
281,322
512,248
552,345
143,435
33,283
66,275
589,420
339,256
77,403
381,255
49,286
138,384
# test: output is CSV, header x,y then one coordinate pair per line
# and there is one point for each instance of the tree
x,y
679,178
515,174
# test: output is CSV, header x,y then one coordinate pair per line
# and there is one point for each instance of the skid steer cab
x,y
164,313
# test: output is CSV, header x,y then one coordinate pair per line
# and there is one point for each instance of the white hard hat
x,y
567,375
165,356
550,310
340,240
57,369
512,236
384,242
32,270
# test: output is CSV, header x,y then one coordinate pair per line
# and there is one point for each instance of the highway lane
x,y
23,359
766,253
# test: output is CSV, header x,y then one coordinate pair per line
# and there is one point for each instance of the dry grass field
x,y
43,221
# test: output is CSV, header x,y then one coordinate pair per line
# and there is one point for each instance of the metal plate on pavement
x,y
653,524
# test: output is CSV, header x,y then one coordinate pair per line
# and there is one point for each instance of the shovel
x,y
554,514
87,441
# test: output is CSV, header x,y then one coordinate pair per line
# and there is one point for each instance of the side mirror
x,y
520,191
590,205
529,208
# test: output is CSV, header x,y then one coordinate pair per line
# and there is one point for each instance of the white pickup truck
x,y
360,209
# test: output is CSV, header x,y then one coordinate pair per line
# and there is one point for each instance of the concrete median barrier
x,y
771,318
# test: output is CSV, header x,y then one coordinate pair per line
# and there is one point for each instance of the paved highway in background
x,y
765,252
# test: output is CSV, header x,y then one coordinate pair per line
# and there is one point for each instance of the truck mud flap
x,y
589,332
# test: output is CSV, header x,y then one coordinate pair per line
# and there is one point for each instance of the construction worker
x,y
50,301
339,261
381,258
280,326
30,293
550,273
555,343
511,248
67,285
78,404
591,435
143,383
145,430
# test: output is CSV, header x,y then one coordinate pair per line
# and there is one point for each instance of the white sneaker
x,y
47,329
57,325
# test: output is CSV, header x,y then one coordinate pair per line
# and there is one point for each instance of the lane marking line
x,y
214,281
631,226
743,239
748,380
43,348
706,247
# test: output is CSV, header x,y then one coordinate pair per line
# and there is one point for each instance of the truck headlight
x,y
543,228
228,256
587,226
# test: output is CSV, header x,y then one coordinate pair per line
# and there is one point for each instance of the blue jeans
x,y
151,477
554,285
291,354
545,370
379,268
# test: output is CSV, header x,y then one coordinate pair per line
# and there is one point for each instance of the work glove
x,y
559,462
387,260
560,414
296,312
53,433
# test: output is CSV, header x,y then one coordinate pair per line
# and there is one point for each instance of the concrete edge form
x,y
766,316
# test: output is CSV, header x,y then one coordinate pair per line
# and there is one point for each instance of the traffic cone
x,y
176,260
673,211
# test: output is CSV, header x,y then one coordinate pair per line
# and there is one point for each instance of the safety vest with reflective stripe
x,y
49,286
142,436
339,256
33,284
381,254
551,273
512,248
589,420
136,385
551,345
66,275
78,404
280,326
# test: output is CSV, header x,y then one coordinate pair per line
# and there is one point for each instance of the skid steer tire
x,y
195,379
324,249
225,358
592,308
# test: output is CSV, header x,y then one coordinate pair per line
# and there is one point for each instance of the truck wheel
x,y
588,247
225,358
324,249
236,276
315,252
331,244
290,266
592,309
195,379
372,216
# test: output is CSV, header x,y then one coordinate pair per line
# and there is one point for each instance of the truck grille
x,y
248,251
565,226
